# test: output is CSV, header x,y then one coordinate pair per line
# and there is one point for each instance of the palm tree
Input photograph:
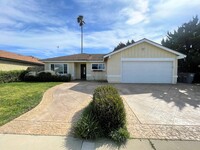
x,y
81,23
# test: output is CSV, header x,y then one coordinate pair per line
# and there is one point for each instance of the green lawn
x,y
19,97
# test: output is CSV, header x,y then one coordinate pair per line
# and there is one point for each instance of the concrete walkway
x,y
30,142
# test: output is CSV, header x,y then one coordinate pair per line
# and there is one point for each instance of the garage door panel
x,y
146,72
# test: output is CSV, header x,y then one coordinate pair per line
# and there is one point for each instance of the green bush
x,y
46,77
108,107
30,78
88,126
12,76
62,78
104,117
120,135
22,75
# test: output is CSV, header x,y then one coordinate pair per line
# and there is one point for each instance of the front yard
x,y
19,97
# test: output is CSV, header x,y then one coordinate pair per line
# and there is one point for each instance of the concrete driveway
x,y
153,111
163,104
162,111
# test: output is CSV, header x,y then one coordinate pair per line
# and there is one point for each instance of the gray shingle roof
x,y
77,57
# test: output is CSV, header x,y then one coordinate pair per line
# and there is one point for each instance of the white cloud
x,y
134,17
135,12
47,40
28,11
6,21
175,8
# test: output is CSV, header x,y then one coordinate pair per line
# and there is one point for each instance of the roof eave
x,y
21,61
62,61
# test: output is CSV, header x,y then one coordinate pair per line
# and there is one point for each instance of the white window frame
x,y
59,64
98,66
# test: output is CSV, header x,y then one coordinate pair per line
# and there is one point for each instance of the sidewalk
x,y
31,142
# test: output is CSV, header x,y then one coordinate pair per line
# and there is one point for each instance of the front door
x,y
83,71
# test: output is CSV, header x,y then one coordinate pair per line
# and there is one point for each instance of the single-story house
x,y
11,61
141,62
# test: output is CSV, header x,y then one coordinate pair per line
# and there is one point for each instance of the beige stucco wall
x,y
10,65
95,75
74,70
142,50
90,75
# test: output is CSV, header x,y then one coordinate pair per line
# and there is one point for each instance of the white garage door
x,y
147,71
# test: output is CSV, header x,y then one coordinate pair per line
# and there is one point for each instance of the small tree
x,y
186,39
122,45
119,46
128,43
132,41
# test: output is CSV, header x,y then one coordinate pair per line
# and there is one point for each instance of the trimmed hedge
x,y
46,77
24,75
12,76
109,108
104,117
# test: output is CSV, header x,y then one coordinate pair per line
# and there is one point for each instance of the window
x,y
59,68
98,66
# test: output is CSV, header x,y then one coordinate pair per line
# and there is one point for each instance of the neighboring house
x,y
142,62
11,61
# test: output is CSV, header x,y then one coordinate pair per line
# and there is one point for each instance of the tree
x,y
186,39
132,41
122,45
128,43
119,46
81,23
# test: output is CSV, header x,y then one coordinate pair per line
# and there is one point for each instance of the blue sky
x,y
48,28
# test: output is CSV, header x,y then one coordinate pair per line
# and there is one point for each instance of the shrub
x,y
49,71
88,126
22,75
120,135
11,76
104,117
62,78
30,78
108,107
45,76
